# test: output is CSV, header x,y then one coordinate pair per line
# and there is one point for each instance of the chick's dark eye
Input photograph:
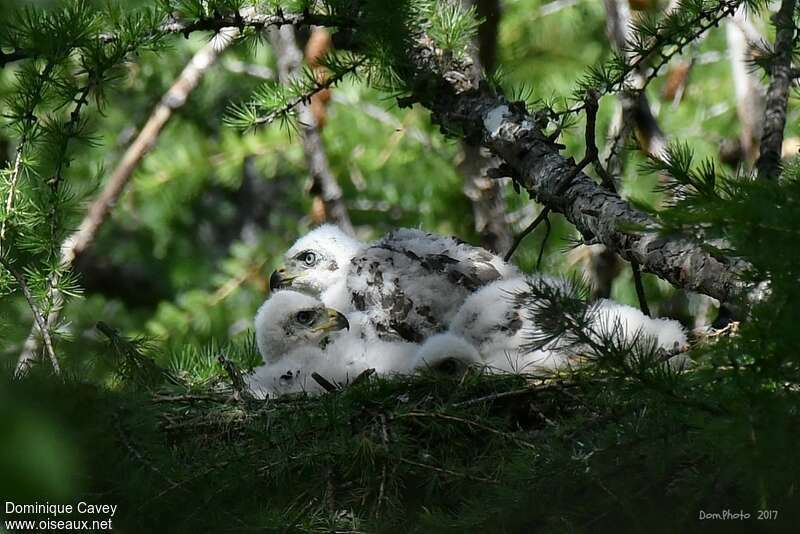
x,y
309,258
304,317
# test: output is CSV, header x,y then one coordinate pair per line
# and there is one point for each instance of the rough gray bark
x,y
485,194
461,102
290,59
768,163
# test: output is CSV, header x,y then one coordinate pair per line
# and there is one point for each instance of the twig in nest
x,y
554,386
241,391
184,398
322,381
729,329
448,471
363,376
137,454
330,489
445,417
385,440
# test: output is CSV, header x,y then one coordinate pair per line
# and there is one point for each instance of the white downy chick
x,y
318,264
298,336
496,321
446,352
409,283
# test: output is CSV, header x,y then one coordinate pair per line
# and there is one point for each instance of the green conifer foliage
x,y
154,322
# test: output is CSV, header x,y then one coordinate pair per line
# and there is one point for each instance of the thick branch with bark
x,y
290,59
768,163
460,102
249,18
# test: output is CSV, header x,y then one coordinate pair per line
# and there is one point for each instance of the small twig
x,y
99,210
549,422
448,471
467,422
41,322
554,386
640,294
30,120
306,97
70,128
325,184
138,455
385,440
591,107
11,192
548,227
732,327
245,18
363,376
241,391
184,398
522,235
494,397
330,488
324,383
185,481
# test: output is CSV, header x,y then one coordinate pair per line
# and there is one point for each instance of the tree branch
x,y
12,191
30,121
290,60
768,163
39,320
14,55
249,18
99,210
245,18
174,98
522,235
461,102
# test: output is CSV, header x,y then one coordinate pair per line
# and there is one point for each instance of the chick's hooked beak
x,y
334,321
280,278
